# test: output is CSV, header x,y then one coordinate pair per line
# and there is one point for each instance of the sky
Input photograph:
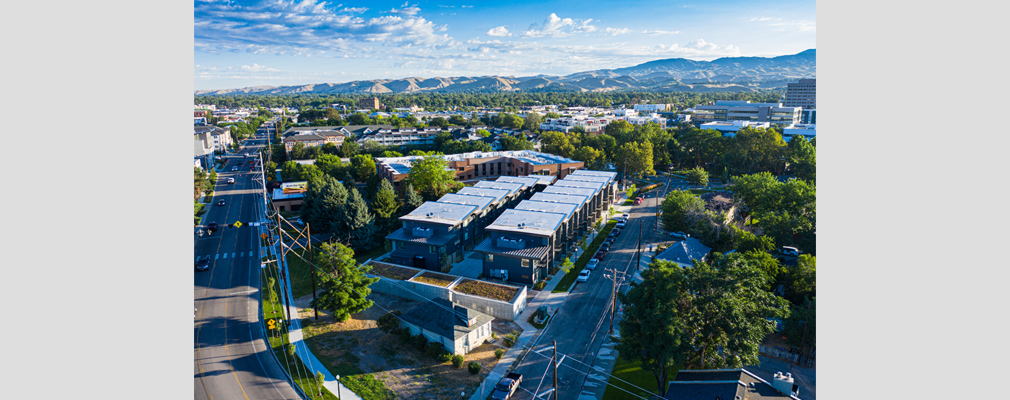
x,y
241,44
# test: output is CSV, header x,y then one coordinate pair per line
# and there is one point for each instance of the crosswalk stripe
x,y
225,255
216,256
232,255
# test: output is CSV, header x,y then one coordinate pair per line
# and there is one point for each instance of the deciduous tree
x,y
343,282
432,177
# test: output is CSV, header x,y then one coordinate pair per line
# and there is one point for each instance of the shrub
x,y
494,335
473,367
499,353
420,342
539,285
510,339
457,361
433,350
389,323
405,335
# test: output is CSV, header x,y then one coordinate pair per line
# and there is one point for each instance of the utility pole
x,y
282,262
613,297
311,272
554,360
639,265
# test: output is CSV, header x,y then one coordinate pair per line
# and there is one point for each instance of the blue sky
x,y
273,43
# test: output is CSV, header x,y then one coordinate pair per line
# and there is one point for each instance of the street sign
x,y
238,224
263,235
271,324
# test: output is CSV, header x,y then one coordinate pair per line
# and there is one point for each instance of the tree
x,y
433,177
682,210
652,331
803,157
320,378
756,149
634,159
593,158
748,241
411,199
532,121
323,204
308,172
349,148
554,142
360,223
291,171
800,280
359,119
567,265
801,326
362,167
697,176
199,182
483,133
439,121
385,204
343,282
330,165
519,142
457,119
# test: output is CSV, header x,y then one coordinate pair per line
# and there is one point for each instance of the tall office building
x,y
801,94
370,103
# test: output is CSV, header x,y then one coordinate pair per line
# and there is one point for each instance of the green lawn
x,y
198,211
633,373
272,315
301,280
569,278
373,253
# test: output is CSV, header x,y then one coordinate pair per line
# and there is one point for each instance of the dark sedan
x,y
203,264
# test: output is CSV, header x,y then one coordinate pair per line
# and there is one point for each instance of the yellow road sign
x,y
271,324
238,224
263,235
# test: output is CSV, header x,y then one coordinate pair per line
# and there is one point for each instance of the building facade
x,y
801,94
724,110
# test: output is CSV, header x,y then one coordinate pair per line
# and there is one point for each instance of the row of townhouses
x,y
519,224
475,166
207,140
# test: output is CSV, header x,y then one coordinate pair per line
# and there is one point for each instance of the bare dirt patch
x,y
357,347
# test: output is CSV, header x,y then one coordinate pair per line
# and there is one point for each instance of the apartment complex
x,y
726,110
370,103
311,136
477,165
517,227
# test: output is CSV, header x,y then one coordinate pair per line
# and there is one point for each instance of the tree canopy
x,y
432,177
344,286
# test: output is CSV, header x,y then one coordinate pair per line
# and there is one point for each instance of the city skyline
x,y
276,43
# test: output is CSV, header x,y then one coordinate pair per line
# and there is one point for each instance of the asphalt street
x,y
583,321
231,356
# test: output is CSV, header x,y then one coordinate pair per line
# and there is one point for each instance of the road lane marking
x,y
232,255
216,256
245,292
225,255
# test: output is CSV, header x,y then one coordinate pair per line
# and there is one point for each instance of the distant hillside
x,y
730,74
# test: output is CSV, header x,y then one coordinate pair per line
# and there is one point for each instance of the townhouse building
x,y
520,246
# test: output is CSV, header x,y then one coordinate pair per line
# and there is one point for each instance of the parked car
x,y
591,265
203,264
679,235
621,224
599,255
625,217
789,251
583,276
616,231
638,200
605,247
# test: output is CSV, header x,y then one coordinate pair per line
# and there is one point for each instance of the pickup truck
x,y
507,386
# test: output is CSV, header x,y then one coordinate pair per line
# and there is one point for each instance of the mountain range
x,y
729,74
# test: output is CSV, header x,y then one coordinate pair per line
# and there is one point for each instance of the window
x,y
432,250
489,257
526,263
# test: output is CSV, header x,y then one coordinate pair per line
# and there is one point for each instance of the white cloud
x,y
660,32
500,31
466,6
354,10
616,31
779,25
406,10
257,68
555,26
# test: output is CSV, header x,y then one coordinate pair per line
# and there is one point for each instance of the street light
x,y
338,387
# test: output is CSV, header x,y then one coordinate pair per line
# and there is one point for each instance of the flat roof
x,y
511,187
481,202
525,181
440,213
589,172
589,178
536,223
498,194
570,190
576,199
596,186
550,207
279,195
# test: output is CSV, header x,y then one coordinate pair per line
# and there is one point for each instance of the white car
x,y
625,217
234,168
583,276
592,264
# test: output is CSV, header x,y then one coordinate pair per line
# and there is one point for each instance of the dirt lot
x,y
356,348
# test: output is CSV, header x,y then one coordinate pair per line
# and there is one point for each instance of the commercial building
x,y
808,131
370,103
801,94
480,165
726,110
730,128
652,108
